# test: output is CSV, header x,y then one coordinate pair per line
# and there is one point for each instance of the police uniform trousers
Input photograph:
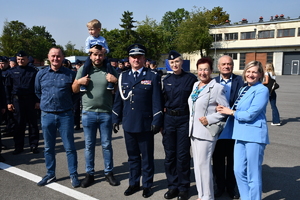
x,y
25,113
140,151
223,174
176,143
77,111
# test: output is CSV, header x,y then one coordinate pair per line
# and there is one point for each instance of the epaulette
x,y
154,72
168,75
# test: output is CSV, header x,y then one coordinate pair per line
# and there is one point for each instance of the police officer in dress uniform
x,y
138,104
177,88
22,101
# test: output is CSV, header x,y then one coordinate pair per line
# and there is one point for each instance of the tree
x,y
119,40
170,23
217,16
36,41
151,36
193,34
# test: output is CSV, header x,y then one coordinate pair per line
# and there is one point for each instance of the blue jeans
x,y
64,123
91,122
275,113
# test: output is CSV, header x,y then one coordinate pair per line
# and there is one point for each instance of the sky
x,y
66,20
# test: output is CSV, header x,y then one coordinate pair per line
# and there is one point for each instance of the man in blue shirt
x,y
53,86
223,153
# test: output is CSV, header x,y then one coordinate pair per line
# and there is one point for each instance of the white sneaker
x,y
278,124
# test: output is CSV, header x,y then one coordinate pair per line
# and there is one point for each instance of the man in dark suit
x,y
224,175
138,104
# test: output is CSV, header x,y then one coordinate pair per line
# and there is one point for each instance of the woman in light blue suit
x,y
249,125
204,99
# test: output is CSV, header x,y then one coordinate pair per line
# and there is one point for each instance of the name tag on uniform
x,y
146,82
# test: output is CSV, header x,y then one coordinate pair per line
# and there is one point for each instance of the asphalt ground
x,y
281,167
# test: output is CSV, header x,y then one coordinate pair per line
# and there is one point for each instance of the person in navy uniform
x,y
223,153
138,104
2,110
22,101
177,88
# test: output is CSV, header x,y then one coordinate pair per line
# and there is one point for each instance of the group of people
x,y
182,106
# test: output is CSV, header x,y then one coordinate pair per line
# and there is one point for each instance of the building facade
x,y
276,41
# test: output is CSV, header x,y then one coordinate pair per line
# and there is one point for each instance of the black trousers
x,y
24,114
223,164
177,144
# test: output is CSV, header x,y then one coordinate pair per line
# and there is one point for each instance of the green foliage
x,y
151,35
71,51
216,16
193,34
36,41
170,23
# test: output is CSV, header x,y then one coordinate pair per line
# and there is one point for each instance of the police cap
x,y
153,62
78,62
173,54
126,60
3,59
13,59
136,49
113,60
21,54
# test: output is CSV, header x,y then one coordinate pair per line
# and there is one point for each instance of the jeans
x,y
275,113
64,123
91,121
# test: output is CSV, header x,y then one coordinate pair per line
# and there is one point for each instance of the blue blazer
x,y
249,122
144,107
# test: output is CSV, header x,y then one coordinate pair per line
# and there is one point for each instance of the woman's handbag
x,y
272,84
215,128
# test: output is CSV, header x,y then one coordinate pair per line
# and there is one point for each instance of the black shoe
x,y
183,195
34,150
172,193
1,158
218,193
131,190
87,181
234,194
147,192
4,147
111,179
17,151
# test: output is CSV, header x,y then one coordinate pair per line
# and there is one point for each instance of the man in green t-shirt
x,y
97,113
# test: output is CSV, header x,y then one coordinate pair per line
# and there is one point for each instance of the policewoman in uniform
x,y
138,104
22,101
177,88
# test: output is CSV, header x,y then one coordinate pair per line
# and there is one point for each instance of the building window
x,y
232,55
266,34
231,36
242,61
286,32
270,57
248,35
299,31
218,37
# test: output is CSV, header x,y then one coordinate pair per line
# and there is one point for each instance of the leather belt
x,y
57,112
177,112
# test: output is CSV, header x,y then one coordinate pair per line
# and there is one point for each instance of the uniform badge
x,y
146,82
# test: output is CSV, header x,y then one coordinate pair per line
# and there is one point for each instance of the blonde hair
x,y
270,68
94,24
257,64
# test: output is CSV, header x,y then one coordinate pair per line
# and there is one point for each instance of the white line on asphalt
x,y
55,186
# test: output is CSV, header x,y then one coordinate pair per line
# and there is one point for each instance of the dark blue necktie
x,y
239,98
135,74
